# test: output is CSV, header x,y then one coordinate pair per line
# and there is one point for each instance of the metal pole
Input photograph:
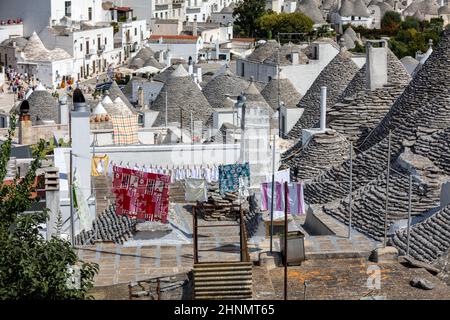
x,y
278,75
192,130
195,231
181,124
387,191
409,215
272,194
166,109
285,239
350,193
72,228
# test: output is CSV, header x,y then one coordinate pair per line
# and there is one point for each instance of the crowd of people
x,y
19,83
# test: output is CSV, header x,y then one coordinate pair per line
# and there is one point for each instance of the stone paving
x,y
345,279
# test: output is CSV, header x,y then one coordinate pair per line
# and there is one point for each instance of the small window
x,y
135,31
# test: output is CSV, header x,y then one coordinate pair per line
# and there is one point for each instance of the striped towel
x,y
125,129
296,202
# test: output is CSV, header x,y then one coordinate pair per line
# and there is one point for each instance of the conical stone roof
x,y
222,86
335,76
182,94
43,106
418,122
288,94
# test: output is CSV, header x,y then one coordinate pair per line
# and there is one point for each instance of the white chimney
x,y
63,114
194,27
191,69
168,58
323,108
80,134
295,58
376,64
199,75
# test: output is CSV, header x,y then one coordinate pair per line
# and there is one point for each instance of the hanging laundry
x,y
266,198
141,195
125,129
80,205
280,176
296,202
110,169
229,176
196,190
99,165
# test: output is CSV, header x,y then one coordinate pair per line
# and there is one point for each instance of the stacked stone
x,y
360,110
217,208
419,123
428,87
253,217
429,239
436,147
322,152
336,76
368,202
213,210
356,116
108,227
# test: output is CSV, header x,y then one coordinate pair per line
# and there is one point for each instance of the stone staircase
x,y
223,280
103,193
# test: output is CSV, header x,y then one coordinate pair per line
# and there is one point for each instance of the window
x,y
135,31
90,13
68,8
81,47
98,44
106,41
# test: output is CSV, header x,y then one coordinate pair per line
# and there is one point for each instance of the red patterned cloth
x,y
141,195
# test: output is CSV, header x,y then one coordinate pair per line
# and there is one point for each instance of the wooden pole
x,y
285,239
195,234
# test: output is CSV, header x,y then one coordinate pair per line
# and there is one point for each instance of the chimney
x,y
25,124
295,59
376,64
323,108
52,199
168,58
199,75
81,141
161,56
194,27
63,112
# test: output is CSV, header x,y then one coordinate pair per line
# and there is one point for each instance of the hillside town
x,y
225,149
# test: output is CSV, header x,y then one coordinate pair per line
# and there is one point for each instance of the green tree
x,y
272,23
30,266
246,13
390,22
410,23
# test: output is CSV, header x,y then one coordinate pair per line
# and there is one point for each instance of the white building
x,y
159,9
354,12
38,14
10,28
201,10
294,64
92,48
224,16
178,46
132,36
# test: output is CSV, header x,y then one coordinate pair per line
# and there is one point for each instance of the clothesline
x,y
209,173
